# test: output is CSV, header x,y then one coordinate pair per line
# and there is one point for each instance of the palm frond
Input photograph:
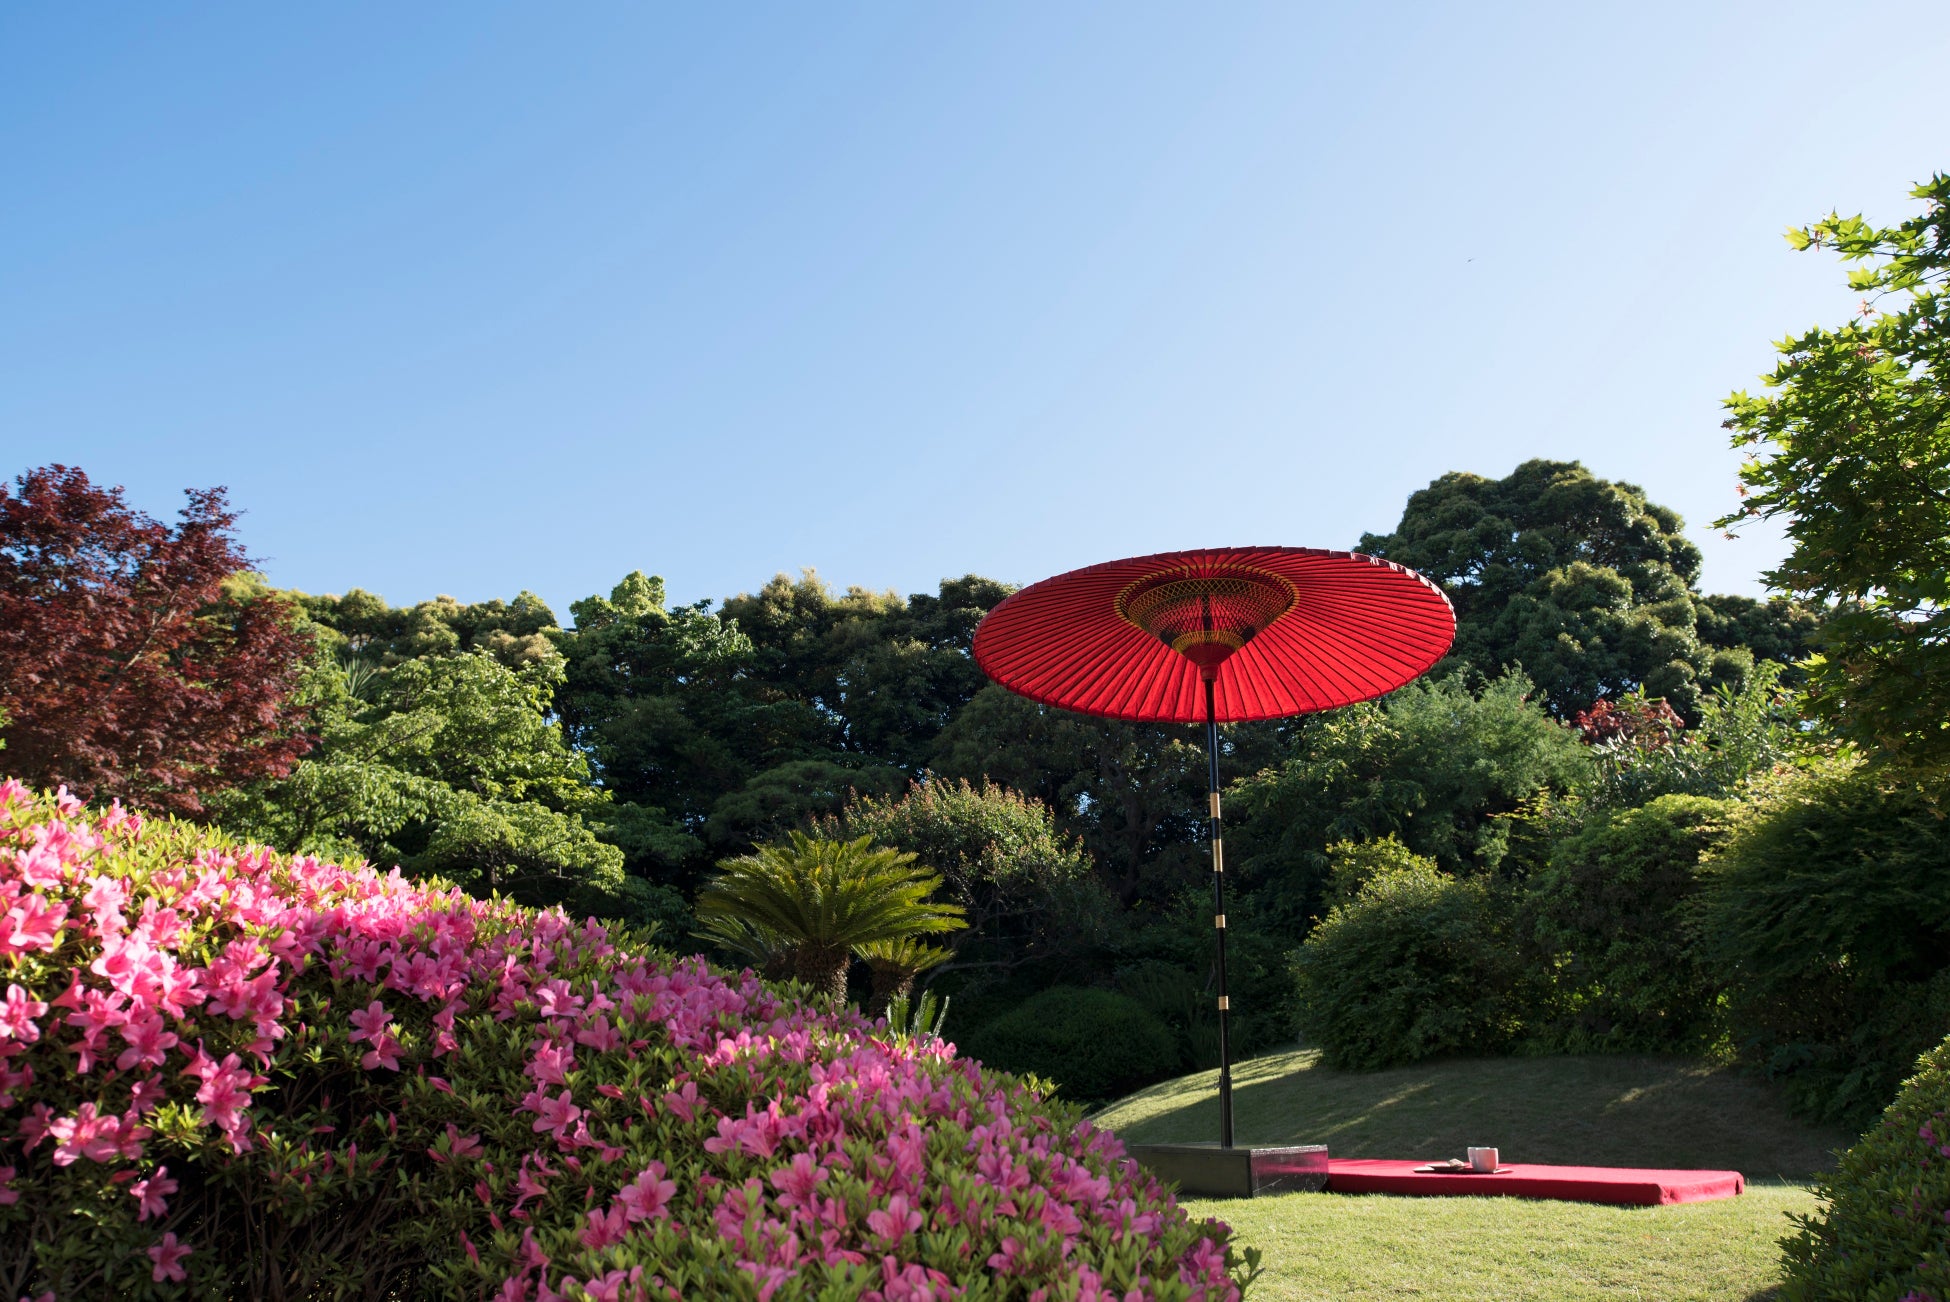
x,y
829,893
908,955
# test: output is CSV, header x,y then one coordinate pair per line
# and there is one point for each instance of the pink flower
x,y
384,1053
459,1147
31,924
95,1012
551,1063
146,1093
168,1256
225,1094
17,1015
105,899
374,1026
798,1180
152,1194
85,1134
554,999
40,865
609,1288
371,1022
599,1035
647,1195
148,1043
604,1228
683,1103
895,1221
556,1115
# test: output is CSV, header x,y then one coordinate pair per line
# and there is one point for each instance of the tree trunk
x,y
781,965
889,984
823,967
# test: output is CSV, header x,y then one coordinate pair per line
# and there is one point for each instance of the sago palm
x,y
824,897
758,947
895,964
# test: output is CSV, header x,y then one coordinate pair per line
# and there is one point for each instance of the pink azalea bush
x,y
228,1073
1883,1231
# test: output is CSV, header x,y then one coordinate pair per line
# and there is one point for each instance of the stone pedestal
x,y
1208,1171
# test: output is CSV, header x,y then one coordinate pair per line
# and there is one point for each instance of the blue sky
x,y
471,299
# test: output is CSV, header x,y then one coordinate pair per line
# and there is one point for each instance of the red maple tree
x,y
133,664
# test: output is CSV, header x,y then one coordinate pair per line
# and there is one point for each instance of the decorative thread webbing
x,y
1206,617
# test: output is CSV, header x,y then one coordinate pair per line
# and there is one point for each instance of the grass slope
x,y
1595,1111
1605,1111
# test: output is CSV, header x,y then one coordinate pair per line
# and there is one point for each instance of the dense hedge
x,y
1097,1044
224,1073
1883,1234
1826,919
1415,965
1608,911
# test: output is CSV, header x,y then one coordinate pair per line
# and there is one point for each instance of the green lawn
x,y
1321,1246
1665,1112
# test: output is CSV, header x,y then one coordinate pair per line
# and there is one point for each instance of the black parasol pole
x,y
1219,907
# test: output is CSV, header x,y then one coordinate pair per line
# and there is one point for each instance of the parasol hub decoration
x,y
1206,616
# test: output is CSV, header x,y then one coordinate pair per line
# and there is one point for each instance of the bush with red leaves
x,y
132,662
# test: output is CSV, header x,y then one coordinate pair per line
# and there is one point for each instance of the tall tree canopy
x,y
1436,764
1584,584
137,660
1851,448
1133,793
438,750
514,632
750,720
1024,886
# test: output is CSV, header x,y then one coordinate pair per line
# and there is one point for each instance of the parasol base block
x,y
1209,1171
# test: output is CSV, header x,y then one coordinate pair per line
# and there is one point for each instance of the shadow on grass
x,y
1590,1110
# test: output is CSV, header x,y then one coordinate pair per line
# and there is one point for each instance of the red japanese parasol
x,y
1218,635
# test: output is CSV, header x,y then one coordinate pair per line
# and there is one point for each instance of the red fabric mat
x,y
1589,1184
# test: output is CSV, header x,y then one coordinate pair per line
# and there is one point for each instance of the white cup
x,y
1482,1159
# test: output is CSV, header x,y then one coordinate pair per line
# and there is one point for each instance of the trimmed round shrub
x,y
1417,964
1097,1044
1883,1233
229,1074
1608,909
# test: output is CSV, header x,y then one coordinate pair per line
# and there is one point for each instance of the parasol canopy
x,y
1276,631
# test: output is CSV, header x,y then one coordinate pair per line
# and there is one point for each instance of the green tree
x,y
765,714
1095,1044
825,898
1826,920
1437,764
793,794
1851,449
1026,888
1608,913
662,702
451,765
1742,731
889,673
1419,963
1778,630
515,633
1580,581
1134,794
